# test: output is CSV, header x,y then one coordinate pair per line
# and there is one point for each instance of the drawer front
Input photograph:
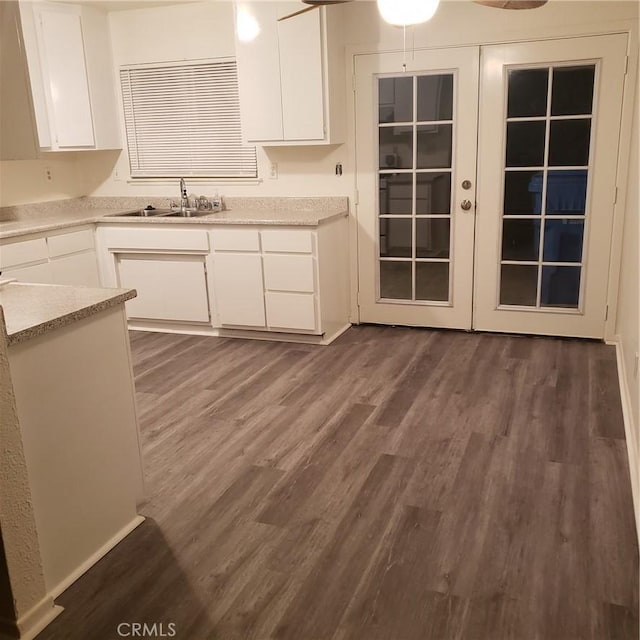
x,y
35,274
148,239
289,273
17,253
291,311
287,240
67,243
79,269
235,240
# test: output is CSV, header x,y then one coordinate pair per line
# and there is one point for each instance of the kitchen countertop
x,y
33,309
307,212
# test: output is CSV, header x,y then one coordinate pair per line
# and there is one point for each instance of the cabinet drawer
x,y
146,239
289,273
287,240
235,240
67,243
291,311
16,253
35,274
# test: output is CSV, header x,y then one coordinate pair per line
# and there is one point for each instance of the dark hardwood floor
x,y
400,484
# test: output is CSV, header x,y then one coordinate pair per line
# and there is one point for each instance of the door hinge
x,y
626,65
357,198
615,196
353,82
358,298
606,312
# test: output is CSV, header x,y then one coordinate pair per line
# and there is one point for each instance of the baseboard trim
x,y
32,622
55,591
629,430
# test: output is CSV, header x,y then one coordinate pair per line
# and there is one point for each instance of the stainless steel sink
x,y
189,213
144,213
164,213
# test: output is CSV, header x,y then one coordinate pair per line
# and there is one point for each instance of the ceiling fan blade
x,y
512,4
297,13
322,3
313,4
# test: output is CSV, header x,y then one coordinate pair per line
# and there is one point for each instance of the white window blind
x,y
183,119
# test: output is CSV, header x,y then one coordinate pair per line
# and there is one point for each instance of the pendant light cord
x,y
404,48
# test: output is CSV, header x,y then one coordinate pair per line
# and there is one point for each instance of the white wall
x,y
23,181
628,318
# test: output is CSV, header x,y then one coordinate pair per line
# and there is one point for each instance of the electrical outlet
x,y
116,174
273,171
48,175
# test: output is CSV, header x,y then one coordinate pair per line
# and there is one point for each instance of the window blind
x,y
183,119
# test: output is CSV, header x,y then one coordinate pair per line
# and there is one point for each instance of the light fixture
x,y
403,13
247,26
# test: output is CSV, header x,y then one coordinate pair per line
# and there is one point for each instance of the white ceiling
x,y
126,5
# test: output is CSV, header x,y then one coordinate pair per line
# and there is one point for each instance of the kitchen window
x,y
183,119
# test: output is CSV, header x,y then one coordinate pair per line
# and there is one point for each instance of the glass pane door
x,y
546,175
415,160
416,133
548,146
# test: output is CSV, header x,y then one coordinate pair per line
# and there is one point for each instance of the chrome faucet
x,y
184,198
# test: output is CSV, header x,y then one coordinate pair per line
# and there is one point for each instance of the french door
x,y
415,240
525,247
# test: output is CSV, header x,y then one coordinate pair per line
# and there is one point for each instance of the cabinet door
x,y
291,311
80,269
259,74
171,287
35,274
63,59
301,77
239,294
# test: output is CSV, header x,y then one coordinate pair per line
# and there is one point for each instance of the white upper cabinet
x,y
291,76
61,95
64,70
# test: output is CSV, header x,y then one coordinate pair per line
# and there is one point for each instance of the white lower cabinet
x,y
292,311
266,279
64,257
166,266
231,279
237,283
80,269
170,288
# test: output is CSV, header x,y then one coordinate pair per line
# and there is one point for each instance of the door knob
x,y
465,205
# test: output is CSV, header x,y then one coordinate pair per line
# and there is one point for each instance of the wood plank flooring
x,y
399,484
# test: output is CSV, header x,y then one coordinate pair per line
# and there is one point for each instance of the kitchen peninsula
x,y
69,372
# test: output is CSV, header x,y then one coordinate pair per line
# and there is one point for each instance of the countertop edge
x,y
69,318
53,225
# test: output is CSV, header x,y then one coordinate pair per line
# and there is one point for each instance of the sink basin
x,y
145,213
188,213
168,213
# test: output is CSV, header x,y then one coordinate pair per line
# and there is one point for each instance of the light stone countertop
x,y
33,309
28,219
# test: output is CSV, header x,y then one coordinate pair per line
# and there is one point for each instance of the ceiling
x,y
127,5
